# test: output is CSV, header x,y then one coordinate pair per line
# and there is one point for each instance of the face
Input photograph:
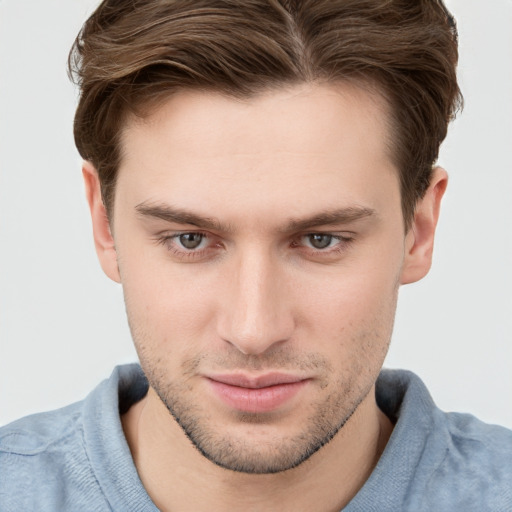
x,y
260,245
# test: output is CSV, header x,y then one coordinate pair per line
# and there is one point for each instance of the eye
x,y
321,240
191,241
190,246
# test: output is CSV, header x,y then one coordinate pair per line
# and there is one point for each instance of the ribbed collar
x,y
415,449
106,444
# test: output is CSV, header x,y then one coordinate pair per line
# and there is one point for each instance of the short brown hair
x,y
131,54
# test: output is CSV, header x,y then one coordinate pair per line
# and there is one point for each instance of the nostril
x,y
254,346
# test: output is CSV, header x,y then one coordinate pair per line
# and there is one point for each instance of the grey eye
x,y
320,241
191,240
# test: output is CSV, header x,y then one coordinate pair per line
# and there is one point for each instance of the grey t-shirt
x,y
77,458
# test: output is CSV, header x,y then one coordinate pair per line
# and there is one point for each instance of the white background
x,y
62,322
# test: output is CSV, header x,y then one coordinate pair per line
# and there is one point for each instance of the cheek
x,y
168,310
353,311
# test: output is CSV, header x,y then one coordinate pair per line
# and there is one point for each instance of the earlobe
x,y
103,239
419,241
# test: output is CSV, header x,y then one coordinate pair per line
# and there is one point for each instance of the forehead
x,y
285,146
294,114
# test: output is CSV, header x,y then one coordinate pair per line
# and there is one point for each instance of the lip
x,y
256,394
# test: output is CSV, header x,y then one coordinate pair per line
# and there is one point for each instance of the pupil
x,y
191,240
320,241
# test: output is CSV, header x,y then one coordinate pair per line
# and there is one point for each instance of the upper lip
x,y
256,381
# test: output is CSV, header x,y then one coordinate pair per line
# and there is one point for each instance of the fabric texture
x,y
77,458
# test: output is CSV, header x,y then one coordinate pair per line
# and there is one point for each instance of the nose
x,y
257,314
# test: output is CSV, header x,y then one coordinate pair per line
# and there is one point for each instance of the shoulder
x,y
438,460
44,465
472,438
35,434
476,469
75,458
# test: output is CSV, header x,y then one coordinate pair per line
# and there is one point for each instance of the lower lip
x,y
256,400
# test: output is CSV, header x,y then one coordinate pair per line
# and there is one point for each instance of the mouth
x,y
256,394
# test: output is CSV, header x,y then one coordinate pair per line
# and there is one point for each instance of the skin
x,y
257,295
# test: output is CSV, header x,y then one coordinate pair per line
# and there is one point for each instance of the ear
x,y
103,240
419,241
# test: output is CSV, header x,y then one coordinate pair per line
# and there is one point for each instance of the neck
x,y
177,477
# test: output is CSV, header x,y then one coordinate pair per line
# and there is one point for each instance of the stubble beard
x,y
271,454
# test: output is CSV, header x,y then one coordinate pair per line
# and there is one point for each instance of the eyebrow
x,y
332,217
180,216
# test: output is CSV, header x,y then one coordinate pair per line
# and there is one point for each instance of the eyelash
x,y
191,255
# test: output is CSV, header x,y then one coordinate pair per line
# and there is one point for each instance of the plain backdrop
x,y
62,322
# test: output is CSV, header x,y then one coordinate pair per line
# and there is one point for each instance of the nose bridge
x,y
259,314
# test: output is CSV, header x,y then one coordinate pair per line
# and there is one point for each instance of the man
x,y
261,180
